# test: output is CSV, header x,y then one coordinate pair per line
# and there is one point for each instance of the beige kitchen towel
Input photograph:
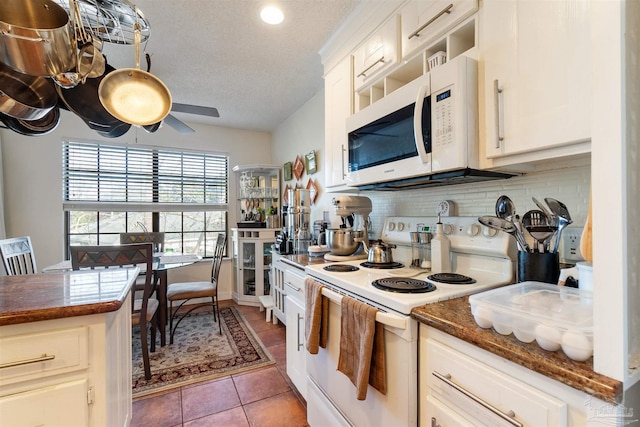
x,y
316,326
362,356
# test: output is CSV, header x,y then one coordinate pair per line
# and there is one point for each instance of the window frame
x,y
215,186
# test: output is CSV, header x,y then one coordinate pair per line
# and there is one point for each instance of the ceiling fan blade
x,y
178,125
195,109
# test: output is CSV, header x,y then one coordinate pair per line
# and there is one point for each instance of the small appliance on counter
x,y
344,242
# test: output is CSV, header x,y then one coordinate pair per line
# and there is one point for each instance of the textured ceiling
x,y
217,53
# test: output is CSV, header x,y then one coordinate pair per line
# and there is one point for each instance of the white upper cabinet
x,y
377,53
338,106
534,61
424,20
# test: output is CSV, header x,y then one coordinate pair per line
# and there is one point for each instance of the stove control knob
x,y
473,230
392,226
400,226
447,228
489,232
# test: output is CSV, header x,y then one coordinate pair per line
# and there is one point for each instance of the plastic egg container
x,y
556,317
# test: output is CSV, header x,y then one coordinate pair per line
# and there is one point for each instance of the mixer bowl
x,y
342,241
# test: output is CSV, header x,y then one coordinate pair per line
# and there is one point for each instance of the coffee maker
x,y
296,231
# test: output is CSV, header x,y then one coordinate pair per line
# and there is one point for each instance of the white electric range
x,y
484,255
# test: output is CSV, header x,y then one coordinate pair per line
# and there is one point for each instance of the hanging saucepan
x,y
35,37
135,96
84,102
24,96
38,127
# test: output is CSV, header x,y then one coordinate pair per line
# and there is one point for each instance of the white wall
x,y
32,172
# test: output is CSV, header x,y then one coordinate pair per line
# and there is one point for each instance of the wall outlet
x,y
570,245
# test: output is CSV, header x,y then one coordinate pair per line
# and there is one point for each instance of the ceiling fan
x,y
182,127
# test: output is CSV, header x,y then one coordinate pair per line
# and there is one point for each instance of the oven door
x,y
391,139
331,397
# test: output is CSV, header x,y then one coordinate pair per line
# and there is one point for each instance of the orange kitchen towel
x,y
362,356
316,326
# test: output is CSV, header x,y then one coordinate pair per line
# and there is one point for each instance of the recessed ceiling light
x,y
272,15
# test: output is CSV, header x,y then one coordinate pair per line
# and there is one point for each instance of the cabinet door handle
x,y
293,287
342,170
300,344
507,416
417,32
364,72
44,358
434,422
497,105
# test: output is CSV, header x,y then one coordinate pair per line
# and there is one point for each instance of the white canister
x,y
585,275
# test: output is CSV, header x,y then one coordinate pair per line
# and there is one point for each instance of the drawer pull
x,y
507,416
417,32
43,358
293,287
364,72
300,344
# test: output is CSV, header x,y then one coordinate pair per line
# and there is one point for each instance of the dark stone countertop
x,y
454,318
38,297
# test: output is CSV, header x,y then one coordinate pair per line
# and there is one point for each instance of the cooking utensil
x,y
561,212
539,226
506,226
37,127
342,241
135,96
379,252
544,208
506,209
24,96
586,242
35,37
83,101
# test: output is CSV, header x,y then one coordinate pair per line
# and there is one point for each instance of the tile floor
x,y
259,398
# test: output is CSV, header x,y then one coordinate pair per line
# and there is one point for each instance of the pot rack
x,y
111,21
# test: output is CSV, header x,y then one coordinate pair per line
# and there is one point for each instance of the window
x,y
110,189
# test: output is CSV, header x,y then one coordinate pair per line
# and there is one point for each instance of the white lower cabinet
x,y
295,316
67,372
462,385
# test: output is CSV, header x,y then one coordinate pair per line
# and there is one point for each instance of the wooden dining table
x,y
162,263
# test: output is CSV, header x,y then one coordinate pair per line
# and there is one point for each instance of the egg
x,y
483,317
576,345
502,323
524,330
548,337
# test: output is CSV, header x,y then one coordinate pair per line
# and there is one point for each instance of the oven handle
x,y
387,319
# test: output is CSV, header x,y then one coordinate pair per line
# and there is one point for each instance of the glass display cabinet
x,y
258,196
251,262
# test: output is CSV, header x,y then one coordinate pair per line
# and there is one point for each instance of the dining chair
x,y
186,291
144,309
157,238
17,256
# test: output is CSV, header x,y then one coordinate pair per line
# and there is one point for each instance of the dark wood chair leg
x,y
145,350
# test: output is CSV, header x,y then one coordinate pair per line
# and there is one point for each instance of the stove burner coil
x,y
382,265
404,285
342,268
452,278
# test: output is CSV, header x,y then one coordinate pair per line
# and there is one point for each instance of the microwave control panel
x,y
443,118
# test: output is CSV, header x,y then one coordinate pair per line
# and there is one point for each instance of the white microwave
x,y
420,131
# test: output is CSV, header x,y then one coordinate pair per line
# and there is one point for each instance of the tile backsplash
x,y
569,185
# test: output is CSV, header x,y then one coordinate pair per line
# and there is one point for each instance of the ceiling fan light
x,y
272,15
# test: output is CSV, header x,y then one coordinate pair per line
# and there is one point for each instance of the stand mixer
x,y
354,212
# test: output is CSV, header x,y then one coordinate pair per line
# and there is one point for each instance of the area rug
x,y
200,353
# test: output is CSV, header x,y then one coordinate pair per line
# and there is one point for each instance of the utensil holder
x,y
538,267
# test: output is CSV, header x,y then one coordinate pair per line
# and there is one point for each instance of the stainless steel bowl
x,y
342,241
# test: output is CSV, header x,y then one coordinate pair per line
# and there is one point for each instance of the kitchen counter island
x,y
39,297
454,318
66,348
